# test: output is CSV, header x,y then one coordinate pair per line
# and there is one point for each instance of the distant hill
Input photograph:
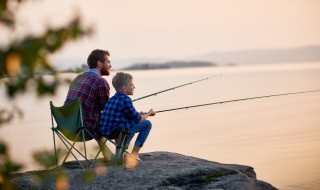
x,y
166,65
253,56
299,54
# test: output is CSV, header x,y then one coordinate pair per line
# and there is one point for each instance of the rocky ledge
x,y
157,170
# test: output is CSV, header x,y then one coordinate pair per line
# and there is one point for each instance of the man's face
x,y
106,65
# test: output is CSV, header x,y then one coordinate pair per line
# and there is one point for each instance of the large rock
x,y
158,170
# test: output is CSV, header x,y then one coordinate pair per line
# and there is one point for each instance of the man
x,y
92,89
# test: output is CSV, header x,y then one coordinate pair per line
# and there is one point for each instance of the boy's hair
x,y
95,56
121,79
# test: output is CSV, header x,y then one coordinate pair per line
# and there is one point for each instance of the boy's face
x,y
129,88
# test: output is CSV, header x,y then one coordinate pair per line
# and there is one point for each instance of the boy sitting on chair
x,y
119,112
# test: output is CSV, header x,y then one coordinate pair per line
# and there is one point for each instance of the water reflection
x,y
279,137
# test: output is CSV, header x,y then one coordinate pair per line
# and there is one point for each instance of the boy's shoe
x,y
126,154
130,161
138,158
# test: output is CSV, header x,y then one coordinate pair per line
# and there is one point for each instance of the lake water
x,y
278,136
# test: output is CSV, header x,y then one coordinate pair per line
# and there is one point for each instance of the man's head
x,y
122,82
99,59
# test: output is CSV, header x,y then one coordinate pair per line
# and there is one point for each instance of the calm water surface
x,y
279,137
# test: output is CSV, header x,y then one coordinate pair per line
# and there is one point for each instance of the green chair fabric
x,y
70,129
69,120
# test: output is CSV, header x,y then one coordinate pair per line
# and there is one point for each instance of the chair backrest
x,y
69,119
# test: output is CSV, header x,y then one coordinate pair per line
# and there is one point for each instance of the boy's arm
x,y
146,115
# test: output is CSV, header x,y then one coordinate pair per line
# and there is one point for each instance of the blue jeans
x,y
143,129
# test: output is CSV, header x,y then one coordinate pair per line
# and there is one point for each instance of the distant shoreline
x,y
169,65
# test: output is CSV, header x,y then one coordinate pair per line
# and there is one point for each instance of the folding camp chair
x,y
70,129
121,136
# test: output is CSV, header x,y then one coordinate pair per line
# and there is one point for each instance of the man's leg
x,y
107,155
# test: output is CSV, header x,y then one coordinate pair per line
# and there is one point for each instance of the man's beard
x,y
105,72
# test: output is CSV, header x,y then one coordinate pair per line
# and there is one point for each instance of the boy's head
x,y
122,82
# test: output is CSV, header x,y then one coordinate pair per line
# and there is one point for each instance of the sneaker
x,y
127,154
138,158
130,162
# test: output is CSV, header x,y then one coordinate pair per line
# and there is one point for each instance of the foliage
x,y
47,159
6,167
23,62
7,14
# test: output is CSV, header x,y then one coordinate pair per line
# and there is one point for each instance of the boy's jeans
x,y
143,129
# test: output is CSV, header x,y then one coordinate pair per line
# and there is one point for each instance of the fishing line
x,y
235,100
173,88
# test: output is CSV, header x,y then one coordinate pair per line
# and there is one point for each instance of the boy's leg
x,y
143,129
135,151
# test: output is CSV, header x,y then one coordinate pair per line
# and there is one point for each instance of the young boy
x,y
119,111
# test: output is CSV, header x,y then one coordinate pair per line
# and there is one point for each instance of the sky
x,y
175,29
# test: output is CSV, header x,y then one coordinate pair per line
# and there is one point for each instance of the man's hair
x,y
121,79
95,56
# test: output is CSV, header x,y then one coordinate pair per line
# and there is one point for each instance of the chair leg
x,y
120,148
84,145
104,149
102,145
55,148
65,140
70,151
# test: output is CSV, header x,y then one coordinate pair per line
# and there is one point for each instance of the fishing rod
x,y
173,88
235,100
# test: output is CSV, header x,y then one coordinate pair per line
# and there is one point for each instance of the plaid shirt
x,y
118,111
94,93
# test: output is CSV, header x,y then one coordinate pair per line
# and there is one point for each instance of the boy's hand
x,y
151,112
